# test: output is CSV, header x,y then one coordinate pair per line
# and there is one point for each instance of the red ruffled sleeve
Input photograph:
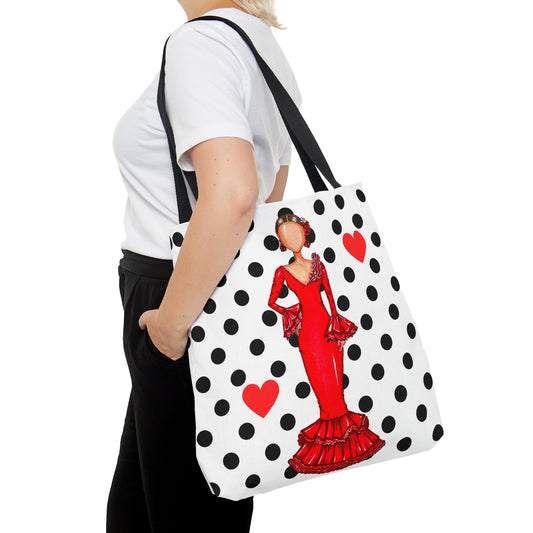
x,y
339,328
292,316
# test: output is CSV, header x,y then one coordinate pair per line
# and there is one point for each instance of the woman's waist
x,y
312,310
144,265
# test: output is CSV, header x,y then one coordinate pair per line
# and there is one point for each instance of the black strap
x,y
305,143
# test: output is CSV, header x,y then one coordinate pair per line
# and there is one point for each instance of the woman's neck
x,y
196,8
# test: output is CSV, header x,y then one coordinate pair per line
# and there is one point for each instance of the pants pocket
x,y
155,350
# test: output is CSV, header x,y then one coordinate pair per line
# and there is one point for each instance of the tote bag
x,y
299,373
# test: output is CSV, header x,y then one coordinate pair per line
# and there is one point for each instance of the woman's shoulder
x,y
213,44
192,34
197,45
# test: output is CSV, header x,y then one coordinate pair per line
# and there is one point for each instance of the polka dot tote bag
x,y
305,359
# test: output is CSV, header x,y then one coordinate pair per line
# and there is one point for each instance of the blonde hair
x,y
264,9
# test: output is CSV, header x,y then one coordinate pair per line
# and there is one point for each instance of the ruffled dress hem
x,y
302,468
332,444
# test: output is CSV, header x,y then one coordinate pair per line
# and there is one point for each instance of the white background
x,y
427,103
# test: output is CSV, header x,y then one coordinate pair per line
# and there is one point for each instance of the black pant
x,y
158,486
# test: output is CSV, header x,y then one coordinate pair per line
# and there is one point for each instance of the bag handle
x,y
305,143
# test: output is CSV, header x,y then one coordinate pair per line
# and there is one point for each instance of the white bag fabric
x,y
300,373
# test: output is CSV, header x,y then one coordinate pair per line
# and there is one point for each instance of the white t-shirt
x,y
214,88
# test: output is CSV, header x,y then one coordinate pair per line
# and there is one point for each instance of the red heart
x,y
355,245
261,400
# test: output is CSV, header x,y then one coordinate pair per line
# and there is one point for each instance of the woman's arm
x,y
275,290
227,194
327,288
279,185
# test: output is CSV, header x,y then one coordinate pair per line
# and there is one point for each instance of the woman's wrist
x,y
171,322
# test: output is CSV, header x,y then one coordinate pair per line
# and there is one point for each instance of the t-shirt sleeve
x,y
205,90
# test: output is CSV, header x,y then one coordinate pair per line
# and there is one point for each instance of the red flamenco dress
x,y
340,437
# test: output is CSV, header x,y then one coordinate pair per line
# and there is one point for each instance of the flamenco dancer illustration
x,y
340,437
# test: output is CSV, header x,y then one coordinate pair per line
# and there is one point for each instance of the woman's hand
x,y
341,343
169,341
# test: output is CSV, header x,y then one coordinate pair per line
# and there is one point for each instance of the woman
x,y
339,437
228,130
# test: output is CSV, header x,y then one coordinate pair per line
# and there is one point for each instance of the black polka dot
x,y
365,404
222,407
210,306
203,384
377,371
343,303
339,201
345,381
204,439
386,341
287,422
371,293
303,389
329,255
374,265
277,369
271,242
404,444
197,333
246,431
375,238
421,412
231,461
257,347
318,207
428,381
394,313
407,360
272,452
255,269
354,352
290,473
395,283
241,297
349,274
400,393
238,378
222,281
218,355
388,424
231,326
438,432
269,318
361,195
215,488
252,224
366,321
177,238
336,227
411,330
357,220
252,481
